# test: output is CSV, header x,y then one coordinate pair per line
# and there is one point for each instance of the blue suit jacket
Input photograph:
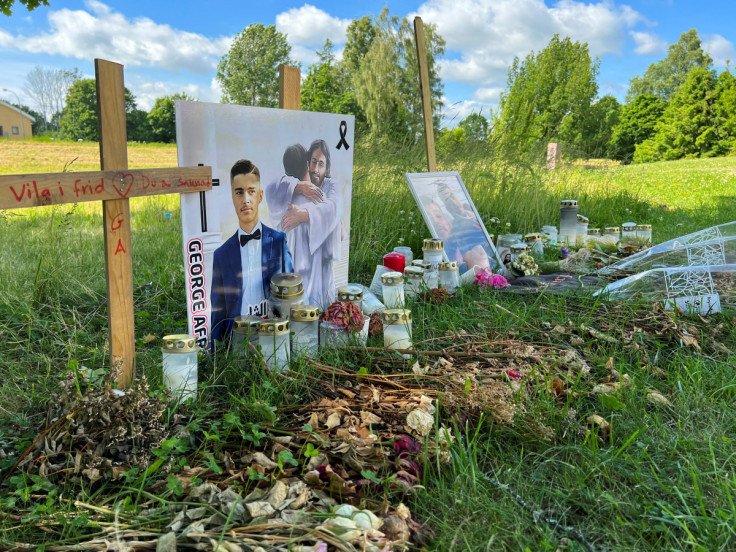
x,y
227,277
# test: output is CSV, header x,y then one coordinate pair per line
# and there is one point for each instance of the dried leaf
x,y
420,421
655,397
368,418
333,420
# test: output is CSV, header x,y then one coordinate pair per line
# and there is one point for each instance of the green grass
x,y
663,478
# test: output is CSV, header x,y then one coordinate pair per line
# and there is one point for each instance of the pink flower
x,y
488,279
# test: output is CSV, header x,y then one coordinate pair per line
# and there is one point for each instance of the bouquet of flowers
x,y
346,316
525,266
488,279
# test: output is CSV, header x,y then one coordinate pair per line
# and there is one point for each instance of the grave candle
x,y
304,321
568,221
393,289
430,275
549,234
644,231
628,231
287,290
534,242
245,331
397,329
394,261
434,251
505,241
516,250
611,234
179,362
350,293
406,252
594,235
414,276
449,276
273,337
581,229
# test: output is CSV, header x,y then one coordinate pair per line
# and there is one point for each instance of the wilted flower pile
x,y
525,266
375,327
489,279
344,315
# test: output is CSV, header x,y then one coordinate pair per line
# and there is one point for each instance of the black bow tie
x,y
245,238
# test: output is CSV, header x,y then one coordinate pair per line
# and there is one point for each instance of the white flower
x,y
402,212
508,225
401,240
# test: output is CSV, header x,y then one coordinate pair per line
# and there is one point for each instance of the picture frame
x,y
450,214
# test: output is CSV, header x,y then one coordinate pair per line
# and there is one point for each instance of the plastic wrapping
x,y
713,246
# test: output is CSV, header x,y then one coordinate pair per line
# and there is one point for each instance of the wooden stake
x,y
116,218
424,90
289,87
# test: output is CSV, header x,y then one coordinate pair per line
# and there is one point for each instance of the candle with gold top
x,y
304,321
449,275
397,329
434,251
179,362
568,221
392,284
287,290
245,331
273,337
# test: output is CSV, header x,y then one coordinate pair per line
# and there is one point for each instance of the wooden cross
x,y
114,185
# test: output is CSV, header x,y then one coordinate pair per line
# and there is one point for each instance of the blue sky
x,y
172,46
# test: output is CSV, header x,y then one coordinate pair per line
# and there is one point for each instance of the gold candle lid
x,y
569,203
274,326
304,313
396,316
582,219
421,263
612,230
246,324
518,248
433,244
534,237
413,272
594,231
643,226
629,226
349,294
287,285
180,343
448,265
392,278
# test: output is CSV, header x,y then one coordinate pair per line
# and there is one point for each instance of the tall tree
x,y
161,118
48,87
589,131
359,36
475,127
637,122
663,77
79,118
248,73
543,90
326,87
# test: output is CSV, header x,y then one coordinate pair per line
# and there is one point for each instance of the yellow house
x,y
14,123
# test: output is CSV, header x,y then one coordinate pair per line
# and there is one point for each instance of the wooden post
x,y
116,218
290,88
424,90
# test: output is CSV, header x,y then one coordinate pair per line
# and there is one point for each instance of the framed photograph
x,y
451,216
280,202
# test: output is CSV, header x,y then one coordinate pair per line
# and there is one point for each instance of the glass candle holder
x,y
394,261
245,331
549,234
406,252
351,293
397,329
581,229
273,337
535,245
304,322
516,250
287,290
612,234
568,221
434,251
179,363
414,281
449,276
431,280
393,289
628,231
594,235
505,241
644,231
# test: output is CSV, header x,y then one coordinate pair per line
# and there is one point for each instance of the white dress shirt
x,y
254,301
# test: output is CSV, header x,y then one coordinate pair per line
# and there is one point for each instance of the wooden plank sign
x,y
33,190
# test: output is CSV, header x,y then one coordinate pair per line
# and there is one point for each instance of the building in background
x,y
14,123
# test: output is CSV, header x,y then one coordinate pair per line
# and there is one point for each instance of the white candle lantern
x,y
594,235
430,275
273,337
535,245
304,321
516,250
611,234
351,293
393,289
179,362
449,276
406,252
644,231
505,241
628,231
434,251
245,331
581,229
549,234
397,329
287,290
414,278
568,221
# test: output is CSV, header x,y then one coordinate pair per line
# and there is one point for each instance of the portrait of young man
x,y
244,264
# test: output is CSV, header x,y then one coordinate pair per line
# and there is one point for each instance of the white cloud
x,y
492,95
146,91
310,26
103,33
648,43
455,112
720,49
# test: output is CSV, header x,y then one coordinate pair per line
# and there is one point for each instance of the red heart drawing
x,y
119,183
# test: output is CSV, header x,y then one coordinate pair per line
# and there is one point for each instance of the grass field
x,y
662,478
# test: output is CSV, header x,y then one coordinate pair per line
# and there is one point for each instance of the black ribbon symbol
x,y
343,133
